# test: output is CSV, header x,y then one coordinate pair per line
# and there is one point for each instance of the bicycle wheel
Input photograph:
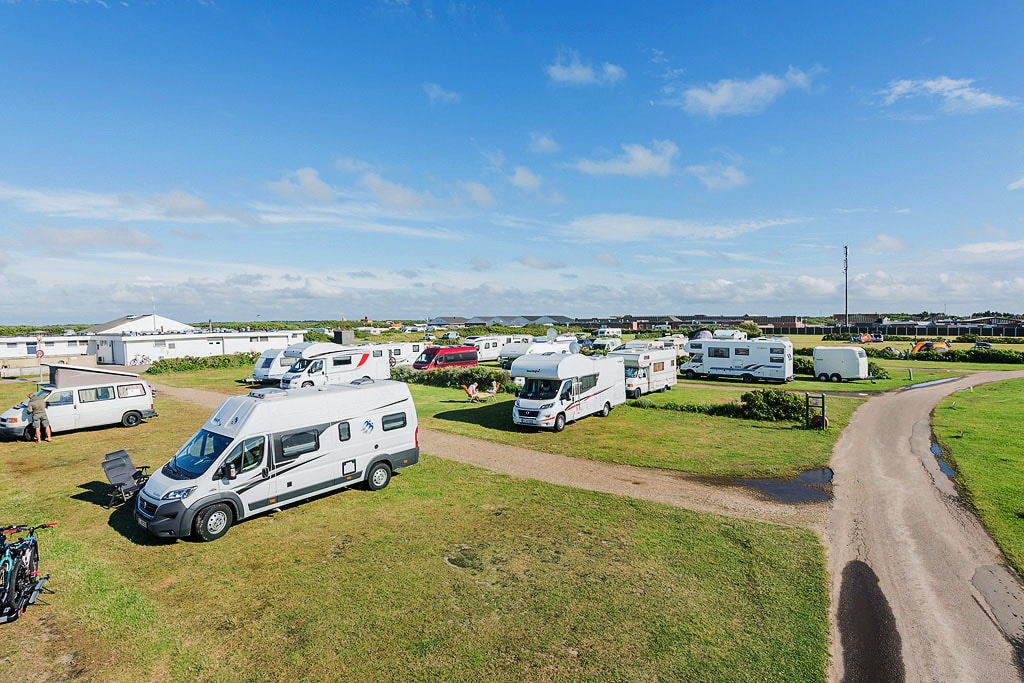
x,y
16,594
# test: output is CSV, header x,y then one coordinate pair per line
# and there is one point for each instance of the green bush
x,y
189,363
766,405
453,378
877,371
803,365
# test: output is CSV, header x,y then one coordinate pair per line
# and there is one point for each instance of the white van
x,y
271,366
273,448
838,363
560,388
320,363
647,370
764,358
78,397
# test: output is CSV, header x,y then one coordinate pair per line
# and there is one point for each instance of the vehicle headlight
x,y
178,494
546,406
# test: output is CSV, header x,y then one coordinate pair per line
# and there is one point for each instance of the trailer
x,y
838,363
561,388
270,367
647,370
489,347
764,358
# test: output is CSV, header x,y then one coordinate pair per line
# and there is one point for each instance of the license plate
x,y
141,521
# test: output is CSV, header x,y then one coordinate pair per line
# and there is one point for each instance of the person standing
x,y
37,409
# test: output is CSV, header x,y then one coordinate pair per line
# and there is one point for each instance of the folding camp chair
x,y
488,395
123,475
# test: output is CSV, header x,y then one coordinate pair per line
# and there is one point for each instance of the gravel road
x,y
919,591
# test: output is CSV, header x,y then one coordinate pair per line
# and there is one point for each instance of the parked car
x,y
429,337
877,338
450,336
982,345
893,351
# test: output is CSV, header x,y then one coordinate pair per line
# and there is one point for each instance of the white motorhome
x,y
764,358
606,344
273,448
510,352
838,363
647,370
561,388
729,334
608,332
271,366
489,347
320,363
80,397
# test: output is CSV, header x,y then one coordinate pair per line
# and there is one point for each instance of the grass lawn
x,y
449,574
977,431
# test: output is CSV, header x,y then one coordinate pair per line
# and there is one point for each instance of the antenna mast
x,y
846,278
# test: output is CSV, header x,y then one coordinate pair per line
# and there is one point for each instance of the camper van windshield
x,y
300,365
427,356
539,389
196,456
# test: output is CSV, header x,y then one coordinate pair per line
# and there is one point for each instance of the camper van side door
x,y
61,411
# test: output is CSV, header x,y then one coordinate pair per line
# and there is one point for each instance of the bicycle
x,y
19,570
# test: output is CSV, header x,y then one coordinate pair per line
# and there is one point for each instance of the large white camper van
x,y
560,388
78,397
838,363
647,370
273,448
489,347
401,353
271,366
510,352
320,363
764,358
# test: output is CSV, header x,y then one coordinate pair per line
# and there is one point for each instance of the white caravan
x,y
608,332
489,347
401,353
510,352
80,397
560,388
273,448
271,366
764,358
729,334
647,370
836,363
320,363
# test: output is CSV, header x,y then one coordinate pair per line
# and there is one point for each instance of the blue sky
x,y
233,160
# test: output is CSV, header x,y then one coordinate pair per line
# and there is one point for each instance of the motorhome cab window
x,y
742,351
393,421
344,431
303,363
635,373
127,390
197,455
427,356
245,456
294,445
59,398
539,389
96,394
718,352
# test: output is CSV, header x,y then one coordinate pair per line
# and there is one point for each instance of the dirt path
x,y
919,591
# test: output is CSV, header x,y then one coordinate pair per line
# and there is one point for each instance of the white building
x,y
28,346
136,340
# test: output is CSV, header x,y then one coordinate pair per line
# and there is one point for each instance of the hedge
x,y
766,405
189,363
453,378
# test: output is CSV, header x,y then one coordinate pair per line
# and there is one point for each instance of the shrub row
x,y
766,405
188,363
453,378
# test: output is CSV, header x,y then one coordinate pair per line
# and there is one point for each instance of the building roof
x,y
140,324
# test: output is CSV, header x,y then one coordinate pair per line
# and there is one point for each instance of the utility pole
x,y
846,278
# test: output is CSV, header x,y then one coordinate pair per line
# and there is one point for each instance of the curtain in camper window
x,y
96,394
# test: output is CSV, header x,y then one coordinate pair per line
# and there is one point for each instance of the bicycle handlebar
x,y
19,528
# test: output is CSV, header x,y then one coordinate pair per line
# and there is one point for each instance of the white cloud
x,y
884,244
607,259
730,96
569,70
633,228
957,95
303,184
479,193
636,161
719,176
1016,185
352,165
67,240
539,263
525,179
480,264
993,249
543,144
395,196
436,94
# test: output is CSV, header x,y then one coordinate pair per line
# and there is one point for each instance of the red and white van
x,y
435,357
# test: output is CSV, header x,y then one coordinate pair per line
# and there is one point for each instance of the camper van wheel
x,y
29,434
379,477
638,392
213,522
836,377
131,419
560,422
748,378
606,410
823,377
690,374
307,384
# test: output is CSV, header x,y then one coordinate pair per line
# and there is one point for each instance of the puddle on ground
x,y
812,486
943,465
